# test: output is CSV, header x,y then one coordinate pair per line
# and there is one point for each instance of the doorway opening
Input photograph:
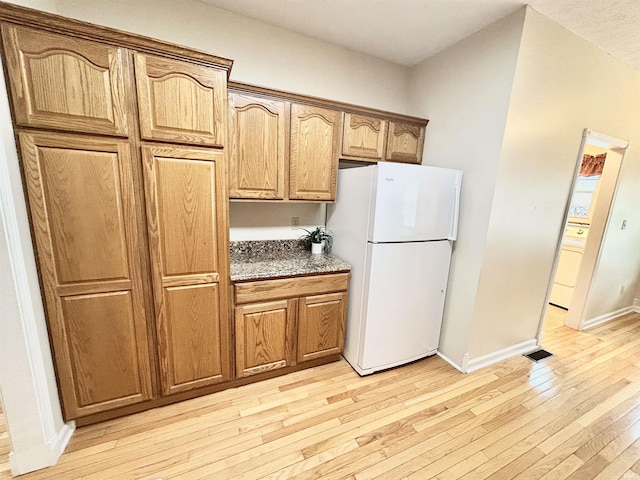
x,y
585,221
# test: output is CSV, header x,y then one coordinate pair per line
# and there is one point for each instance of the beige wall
x,y
272,221
45,5
263,54
618,268
465,91
562,85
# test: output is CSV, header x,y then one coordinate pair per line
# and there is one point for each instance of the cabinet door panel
x,y
187,204
363,136
405,142
102,347
66,83
193,354
321,324
82,192
265,336
315,135
187,225
83,213
181,102
258,147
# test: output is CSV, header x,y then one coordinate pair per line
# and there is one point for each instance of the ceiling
x,y
408,31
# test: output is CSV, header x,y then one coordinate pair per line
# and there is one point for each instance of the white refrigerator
x,y
395,224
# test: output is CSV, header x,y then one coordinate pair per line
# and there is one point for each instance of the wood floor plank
x,y
589,441
575,415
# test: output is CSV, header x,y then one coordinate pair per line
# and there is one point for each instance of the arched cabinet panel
x,y
258,147
315,136
181,102
64,83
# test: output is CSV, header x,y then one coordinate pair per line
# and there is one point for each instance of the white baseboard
x,y
450,362
61,440
494,357
42,456
592,322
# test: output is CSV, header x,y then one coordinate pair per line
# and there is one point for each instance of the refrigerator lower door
x,y
404,302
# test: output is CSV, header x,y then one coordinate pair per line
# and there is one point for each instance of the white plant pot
x,y
316,248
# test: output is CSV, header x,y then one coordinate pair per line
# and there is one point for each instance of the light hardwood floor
x,y
572,416
5,446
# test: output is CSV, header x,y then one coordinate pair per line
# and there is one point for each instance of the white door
x,y
404,302
415,202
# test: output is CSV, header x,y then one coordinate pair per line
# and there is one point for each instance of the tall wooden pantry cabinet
x,y
122,142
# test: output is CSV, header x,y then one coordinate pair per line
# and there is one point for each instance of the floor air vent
x,y
538,355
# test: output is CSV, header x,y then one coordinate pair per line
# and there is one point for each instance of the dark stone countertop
x,y
265,259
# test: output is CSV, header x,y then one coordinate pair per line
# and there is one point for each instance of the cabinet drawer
x,y
263,290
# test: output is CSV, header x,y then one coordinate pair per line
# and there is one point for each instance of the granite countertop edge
x,y
271,259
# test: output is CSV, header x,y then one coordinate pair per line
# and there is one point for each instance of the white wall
x,y
618,265
464,91
45,5
562,85
263,54
27,381
272,221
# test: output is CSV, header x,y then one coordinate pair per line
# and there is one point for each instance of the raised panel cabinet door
x,y
314,152
405,142
258,139
265,337
66,83
187,228
363,136
181,102
321,325
83,214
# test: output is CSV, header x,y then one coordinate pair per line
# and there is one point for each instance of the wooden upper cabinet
x,y
84,222
187,227
181,102
66,83
363,136
405,142
258,147
314,152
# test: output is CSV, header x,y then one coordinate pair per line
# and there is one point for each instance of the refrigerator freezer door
x,y
404,303
414,203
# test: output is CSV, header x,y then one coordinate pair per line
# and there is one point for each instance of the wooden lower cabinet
x,y
265,337
290,321
321,325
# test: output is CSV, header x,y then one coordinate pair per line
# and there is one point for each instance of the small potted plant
x,y
318,238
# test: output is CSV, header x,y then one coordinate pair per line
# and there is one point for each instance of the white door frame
x,y
575,318
37,432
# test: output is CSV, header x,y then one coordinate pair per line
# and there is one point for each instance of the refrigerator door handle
x,y
456,210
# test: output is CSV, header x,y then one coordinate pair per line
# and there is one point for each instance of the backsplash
x,y
264,249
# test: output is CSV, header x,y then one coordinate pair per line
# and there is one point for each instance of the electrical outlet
x,y
295,223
